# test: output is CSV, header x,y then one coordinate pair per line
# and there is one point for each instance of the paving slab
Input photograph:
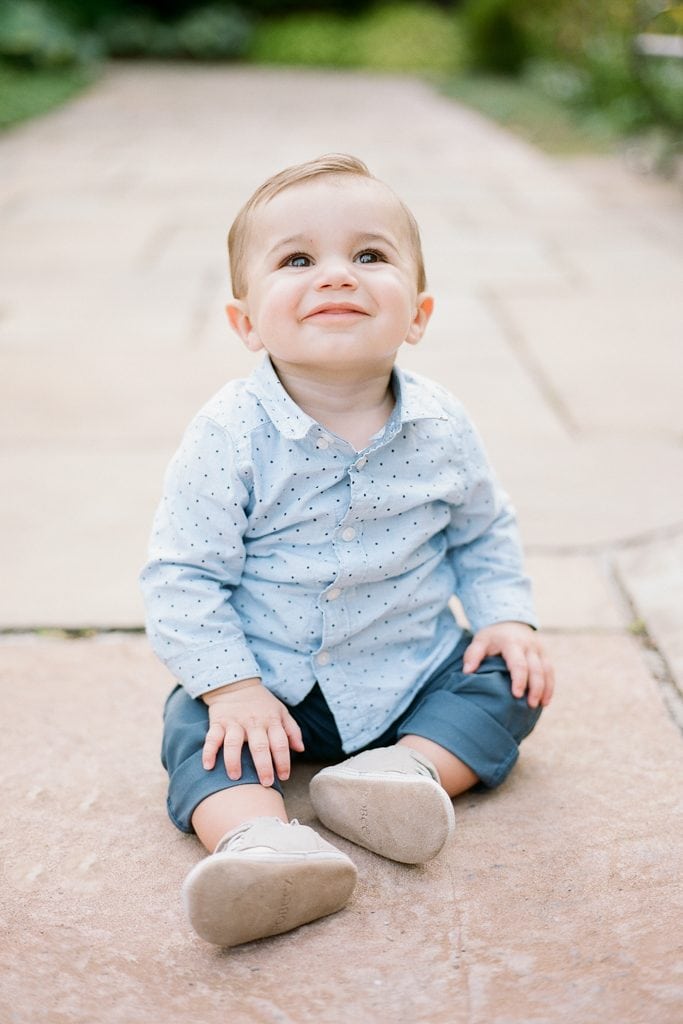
x,y
557,312
558,900
577,592
612,354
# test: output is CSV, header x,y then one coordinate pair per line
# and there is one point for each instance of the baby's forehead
x,y
304,200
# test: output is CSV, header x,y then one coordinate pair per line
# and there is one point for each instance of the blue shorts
x,y
475,717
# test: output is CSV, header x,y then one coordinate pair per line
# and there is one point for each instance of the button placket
x,y
324,442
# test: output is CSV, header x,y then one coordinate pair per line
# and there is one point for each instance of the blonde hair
x,y
331,164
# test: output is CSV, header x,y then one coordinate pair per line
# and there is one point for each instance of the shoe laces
x,y
423,767
237,839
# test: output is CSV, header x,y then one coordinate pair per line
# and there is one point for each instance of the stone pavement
x,y
558,290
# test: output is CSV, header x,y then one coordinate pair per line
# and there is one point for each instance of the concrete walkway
x,y
559,324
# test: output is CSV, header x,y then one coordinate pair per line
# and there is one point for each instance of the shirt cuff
x,y
505,608
209,668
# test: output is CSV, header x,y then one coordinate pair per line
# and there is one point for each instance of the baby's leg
x,y
265,875
460,729
225,810
455,776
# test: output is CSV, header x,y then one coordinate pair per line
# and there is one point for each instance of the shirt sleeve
x,y
484,545
196,560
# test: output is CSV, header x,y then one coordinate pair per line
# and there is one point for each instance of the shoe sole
x,y
235,898
405,819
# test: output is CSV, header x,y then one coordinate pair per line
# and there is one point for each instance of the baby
x,y
316,521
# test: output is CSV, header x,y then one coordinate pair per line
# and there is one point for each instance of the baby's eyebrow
x,y
284,243
372,238
362,238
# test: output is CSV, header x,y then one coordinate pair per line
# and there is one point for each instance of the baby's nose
x,y
336,274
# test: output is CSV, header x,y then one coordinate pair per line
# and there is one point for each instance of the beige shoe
x,y
264,878
388,800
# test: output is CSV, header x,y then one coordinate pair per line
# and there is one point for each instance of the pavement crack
x,y
531,365
658,533
655,660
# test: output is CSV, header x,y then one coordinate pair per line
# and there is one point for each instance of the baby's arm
x,y
490,580
521,648
196,561
246,712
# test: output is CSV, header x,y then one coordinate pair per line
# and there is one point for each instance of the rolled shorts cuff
x,y
468,732
190,783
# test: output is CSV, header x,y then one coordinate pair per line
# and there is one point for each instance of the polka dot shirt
x,y
280,551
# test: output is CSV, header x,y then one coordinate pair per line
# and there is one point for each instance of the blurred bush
x,y
496,38
33,35
410,37
388,37
582,54
212,32
317,38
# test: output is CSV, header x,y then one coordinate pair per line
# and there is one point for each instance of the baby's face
x,y
331,277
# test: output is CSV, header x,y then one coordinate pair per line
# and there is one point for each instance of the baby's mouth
x,y
336,310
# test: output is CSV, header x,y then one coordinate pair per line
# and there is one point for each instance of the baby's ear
x,y
423,311
238,318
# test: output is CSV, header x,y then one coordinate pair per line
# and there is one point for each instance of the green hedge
x,y
418,37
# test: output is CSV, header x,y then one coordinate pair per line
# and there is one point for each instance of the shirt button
x,y
361,463
333,594
349,533
323,658
322,442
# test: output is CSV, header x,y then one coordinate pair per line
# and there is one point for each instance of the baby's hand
x,y
523,653
246,712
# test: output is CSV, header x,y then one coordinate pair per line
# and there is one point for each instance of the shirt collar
x,y
413,401
415,398
285,414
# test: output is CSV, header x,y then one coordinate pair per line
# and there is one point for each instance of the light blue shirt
x,y
280,551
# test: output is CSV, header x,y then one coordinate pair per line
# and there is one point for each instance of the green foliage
x,y
496,40
521,106
213,33
210,32
662,84
580,55
31,34
318,39
613,90
409,37
390,37
26,91
137,34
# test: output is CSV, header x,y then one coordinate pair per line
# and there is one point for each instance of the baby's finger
x,y
518,668
260,752
279,748
232,750
474,655
212,744
536,684
294,735
549,683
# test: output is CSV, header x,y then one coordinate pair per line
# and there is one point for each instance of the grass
x,y
27,92
547,123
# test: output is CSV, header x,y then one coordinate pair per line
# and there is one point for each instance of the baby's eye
x,y
370,256
298,259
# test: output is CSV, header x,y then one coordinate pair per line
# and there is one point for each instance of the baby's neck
x,y
354,409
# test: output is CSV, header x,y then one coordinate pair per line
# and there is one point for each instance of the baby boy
x,y
316,521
